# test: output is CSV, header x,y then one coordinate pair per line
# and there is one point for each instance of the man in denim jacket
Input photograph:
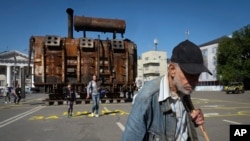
x,y
160,111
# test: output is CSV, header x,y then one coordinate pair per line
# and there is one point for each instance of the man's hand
x,y
197,116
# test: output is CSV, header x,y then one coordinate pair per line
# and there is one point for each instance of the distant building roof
x,y
213,41
9,57
8,54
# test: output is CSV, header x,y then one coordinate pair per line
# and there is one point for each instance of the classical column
x,y
18,75
8,75
20,68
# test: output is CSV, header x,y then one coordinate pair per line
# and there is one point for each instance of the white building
x,y
151,65
154,63
209,52
12,64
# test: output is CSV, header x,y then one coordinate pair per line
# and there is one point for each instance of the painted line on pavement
x,y
231,121
120,126
211,106
17,117
211,114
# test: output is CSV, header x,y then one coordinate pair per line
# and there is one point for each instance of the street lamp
x,y
155,43
187,34
220,78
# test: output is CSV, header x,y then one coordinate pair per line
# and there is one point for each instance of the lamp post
x,y
220,77
187,34
155,43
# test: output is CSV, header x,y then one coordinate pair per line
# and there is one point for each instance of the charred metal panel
x,y
105,65
88,64
71,47
75,64
72,68
120,67
53,65
132,59
38,61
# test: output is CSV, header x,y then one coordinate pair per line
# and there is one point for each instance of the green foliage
x,y
233,56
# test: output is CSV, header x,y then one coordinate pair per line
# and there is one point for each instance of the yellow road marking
x,y
36,118
52,117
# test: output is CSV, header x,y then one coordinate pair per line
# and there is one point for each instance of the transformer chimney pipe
x,y
70,22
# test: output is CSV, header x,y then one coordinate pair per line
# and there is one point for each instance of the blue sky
x,y
146,20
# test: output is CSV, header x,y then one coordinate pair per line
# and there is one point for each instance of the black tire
x,y
237,91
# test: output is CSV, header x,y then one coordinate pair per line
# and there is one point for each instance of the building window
x,y
205,59
214,72
2,70
1,82
214,50
204,52
214,61
201,77
146,58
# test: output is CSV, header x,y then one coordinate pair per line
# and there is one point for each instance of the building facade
x,y
209,82
14,68
151,64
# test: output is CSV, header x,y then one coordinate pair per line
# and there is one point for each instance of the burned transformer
x,y
58,61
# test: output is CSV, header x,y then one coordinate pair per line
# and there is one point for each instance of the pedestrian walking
x,y
17,94
70,94
160,111
93,91
138,85
6,94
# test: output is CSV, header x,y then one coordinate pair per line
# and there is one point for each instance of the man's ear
x,y
172,70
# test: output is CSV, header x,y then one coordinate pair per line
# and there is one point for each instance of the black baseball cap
x,y
188,56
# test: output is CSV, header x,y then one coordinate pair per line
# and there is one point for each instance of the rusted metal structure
x,y
61,60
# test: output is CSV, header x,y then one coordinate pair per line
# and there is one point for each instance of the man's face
x,y
184,82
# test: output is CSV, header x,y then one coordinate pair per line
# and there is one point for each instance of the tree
x,y
233,56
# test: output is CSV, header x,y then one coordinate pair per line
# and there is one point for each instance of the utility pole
x,y
23,83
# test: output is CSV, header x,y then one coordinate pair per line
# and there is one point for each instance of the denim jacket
x,y
151,120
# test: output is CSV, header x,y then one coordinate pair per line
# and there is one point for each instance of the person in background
x,y
162,110
138,87
6,94
70,95
93,90
17,94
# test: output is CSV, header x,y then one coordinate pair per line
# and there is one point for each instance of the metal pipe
x,y
99,24
70,22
